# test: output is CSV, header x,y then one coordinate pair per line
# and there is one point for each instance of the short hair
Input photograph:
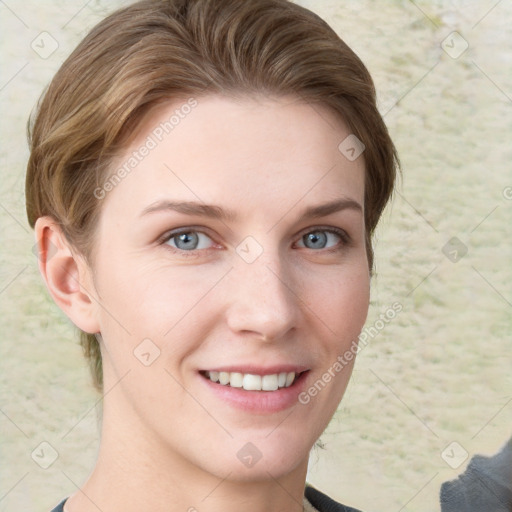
x,y
159,50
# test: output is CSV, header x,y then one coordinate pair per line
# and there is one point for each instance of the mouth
x,y
257,389
253,381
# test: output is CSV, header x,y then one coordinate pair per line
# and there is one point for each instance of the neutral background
x,y
439,373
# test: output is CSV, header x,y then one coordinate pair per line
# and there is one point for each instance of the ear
x,y
67,276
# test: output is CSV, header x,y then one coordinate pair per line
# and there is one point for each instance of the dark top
x,y
59,507
323,503
319,500
485,485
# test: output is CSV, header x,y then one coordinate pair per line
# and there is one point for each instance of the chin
x,y
269,454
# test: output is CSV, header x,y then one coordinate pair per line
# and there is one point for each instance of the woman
x,y
204,181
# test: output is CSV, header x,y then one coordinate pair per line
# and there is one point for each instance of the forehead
x,y
251,152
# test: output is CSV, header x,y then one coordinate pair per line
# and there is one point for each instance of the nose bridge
x,y
263,298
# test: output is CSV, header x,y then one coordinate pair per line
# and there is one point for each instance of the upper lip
x,y
259,370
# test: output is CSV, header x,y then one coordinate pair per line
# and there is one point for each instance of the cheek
x,y
141,301
341,301
153,300
137,288
341,305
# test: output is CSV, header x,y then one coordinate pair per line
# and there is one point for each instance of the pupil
x,y
186,240
317,237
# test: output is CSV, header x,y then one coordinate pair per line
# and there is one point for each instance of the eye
x,y
188,240
324,238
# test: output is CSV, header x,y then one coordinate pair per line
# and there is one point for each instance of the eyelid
x,y
344,236
187,229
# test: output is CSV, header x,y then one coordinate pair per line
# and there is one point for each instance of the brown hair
x,y
157,50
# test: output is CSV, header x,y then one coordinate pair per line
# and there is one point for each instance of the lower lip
x,y
262,402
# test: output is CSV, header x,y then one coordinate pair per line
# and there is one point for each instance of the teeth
x,y
236,380
252,382
269,382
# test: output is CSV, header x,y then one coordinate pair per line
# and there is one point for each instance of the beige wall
x,y
436,374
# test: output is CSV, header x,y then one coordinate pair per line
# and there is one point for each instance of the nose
x,y
263,300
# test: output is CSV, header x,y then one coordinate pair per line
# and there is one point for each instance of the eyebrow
x,y
219,213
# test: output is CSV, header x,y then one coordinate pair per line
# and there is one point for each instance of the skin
x,y
168,443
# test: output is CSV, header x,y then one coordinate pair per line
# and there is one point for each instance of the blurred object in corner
x,y
486,485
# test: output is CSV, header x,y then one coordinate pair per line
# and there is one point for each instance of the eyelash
x,y
344,237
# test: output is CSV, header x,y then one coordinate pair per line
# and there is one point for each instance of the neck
x,y
135,472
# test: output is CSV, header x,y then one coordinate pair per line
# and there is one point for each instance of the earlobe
x,y
67,276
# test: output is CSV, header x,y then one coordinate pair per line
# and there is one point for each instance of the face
x,y
230,258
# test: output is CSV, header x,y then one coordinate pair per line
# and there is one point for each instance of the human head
x,y
155,51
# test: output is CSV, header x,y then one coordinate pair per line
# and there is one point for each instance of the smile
x,y
252,382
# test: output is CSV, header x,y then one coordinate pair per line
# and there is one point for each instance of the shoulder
x,y
323,503
59,507
486,484
320,501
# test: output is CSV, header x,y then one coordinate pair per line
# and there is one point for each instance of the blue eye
x,y
319,238
187,240
190,240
